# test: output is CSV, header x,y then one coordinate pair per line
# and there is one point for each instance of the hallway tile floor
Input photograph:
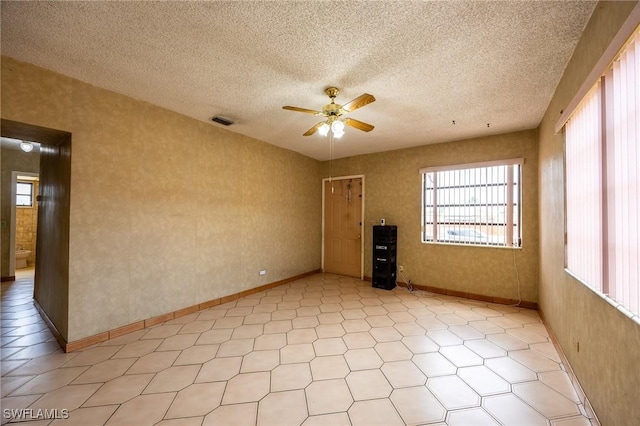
x,y
323,350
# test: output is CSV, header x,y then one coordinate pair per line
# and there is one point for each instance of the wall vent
x,y
222,120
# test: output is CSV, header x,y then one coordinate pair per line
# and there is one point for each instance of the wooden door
x,y
343,227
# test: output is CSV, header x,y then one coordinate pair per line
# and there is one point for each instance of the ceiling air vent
x,y
222,120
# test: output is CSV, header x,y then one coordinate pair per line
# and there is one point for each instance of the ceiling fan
x,y
333,113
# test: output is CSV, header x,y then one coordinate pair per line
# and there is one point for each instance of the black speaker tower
x,y
384,256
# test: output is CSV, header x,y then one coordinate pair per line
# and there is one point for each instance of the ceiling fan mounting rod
x,y
332,92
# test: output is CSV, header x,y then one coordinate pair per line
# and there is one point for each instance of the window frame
x,y
19,194
512,223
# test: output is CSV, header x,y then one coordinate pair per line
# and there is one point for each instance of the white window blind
x,y
602,189
623,119
584,190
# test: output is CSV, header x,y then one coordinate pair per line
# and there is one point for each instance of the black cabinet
x,y
385,243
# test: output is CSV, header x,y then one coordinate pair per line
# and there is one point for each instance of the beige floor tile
x,y
49,381
378,320
119,390
505,322
42,364
402,374
486,327
196,327
257,318
178,343
282,409
547,401
510,410
197,355
236,347
247,331
393,351
153,362
10,383
290,377
328,396
281,326
534,361
173,379
260,361
233,415
104,371
466,332
548,350
359,340
474,416
270,341
560,382
219,369
212,337
374,412
485,348
417,405
453,392
138,348
335,419
444,338
247,387
355,325
329,367
409,329
301,335
87,416
461,356
16,403
297,353
483,380
142,410
573,421
420,344
329,346
385,334
68,397
326,318
305,322
363,359
434,364
329,331
93,356
162,331
228,322
187,421
196,400
510,370
349,314
368,384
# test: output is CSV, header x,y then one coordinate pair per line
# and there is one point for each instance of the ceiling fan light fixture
x,y
324,129
338,135
337,127
26,146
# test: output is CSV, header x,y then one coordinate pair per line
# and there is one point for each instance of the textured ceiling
x,y
427,63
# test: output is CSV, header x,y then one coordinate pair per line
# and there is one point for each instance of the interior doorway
x,y
342,236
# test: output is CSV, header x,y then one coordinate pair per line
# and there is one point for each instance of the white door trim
x,y
361,220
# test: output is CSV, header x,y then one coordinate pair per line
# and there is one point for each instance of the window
x,y
602,174
472,204
24,194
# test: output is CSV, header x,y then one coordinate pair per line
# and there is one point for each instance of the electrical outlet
x,y
262,272
401,268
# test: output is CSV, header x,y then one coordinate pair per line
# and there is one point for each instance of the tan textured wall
x,y
11,160
27,226
166,211
393,191
608,360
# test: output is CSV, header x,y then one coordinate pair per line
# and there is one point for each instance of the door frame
x,y
12,230
324,180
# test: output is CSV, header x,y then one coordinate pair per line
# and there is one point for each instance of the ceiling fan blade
x,y
313,129
360,125
359,102
305,110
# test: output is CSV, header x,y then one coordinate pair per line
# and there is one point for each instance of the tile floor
x,y
324,350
